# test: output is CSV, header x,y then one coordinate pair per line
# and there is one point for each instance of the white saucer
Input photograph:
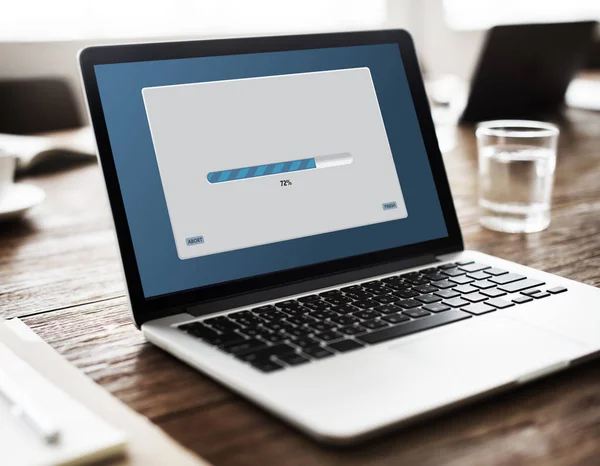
x,y
18,199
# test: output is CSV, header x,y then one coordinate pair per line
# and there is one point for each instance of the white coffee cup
x,y
8,165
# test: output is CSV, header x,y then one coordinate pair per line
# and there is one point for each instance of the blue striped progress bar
x,y
322,161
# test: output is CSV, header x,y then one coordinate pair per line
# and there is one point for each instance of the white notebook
x,y
84,436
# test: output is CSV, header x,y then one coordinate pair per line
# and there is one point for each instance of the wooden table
x,y
59,272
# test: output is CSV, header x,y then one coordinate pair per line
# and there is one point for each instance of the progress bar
x,y
322,161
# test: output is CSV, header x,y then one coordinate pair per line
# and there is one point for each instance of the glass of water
x,y
517,159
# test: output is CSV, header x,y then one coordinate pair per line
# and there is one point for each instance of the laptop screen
x,y
237,166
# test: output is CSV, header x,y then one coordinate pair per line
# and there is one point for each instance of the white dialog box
x,y
248,162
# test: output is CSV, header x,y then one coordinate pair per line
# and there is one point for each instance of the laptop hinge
x,y
308,285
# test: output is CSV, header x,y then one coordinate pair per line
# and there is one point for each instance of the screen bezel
x,y
143,308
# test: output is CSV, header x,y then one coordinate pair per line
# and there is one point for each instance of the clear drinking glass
x,y
517,159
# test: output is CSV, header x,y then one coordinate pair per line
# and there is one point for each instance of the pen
x,y
23,409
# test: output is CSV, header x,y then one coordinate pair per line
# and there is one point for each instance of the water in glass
x,y
515,187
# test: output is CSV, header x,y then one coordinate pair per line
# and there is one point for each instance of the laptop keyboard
x,y
317,326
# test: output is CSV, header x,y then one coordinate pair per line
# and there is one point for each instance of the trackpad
x,y
492,349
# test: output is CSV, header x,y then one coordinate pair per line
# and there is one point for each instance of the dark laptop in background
x,y
524,70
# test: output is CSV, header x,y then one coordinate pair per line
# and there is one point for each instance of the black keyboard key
x,y
317,352
323,315
227,339
245,346
385,299
456,302
359,295
495,271
506,278
417,280
493,292
329,336
461,280
241,315
428,298
317,305
344,309
398,286
266,365
224,326
388,309
428,270
265,353
464,289
408,303
450,265
425,289
379,291
352,330
293,359
447,294
250,331
289,304
478,308
475,297
474,267
557,289
436,307
321,326
192,325
274,337
365,304
300,332
265,308
345,320
454,272
273,316
500,303
351,289
436,276
406,294
271,326
416,313
373,324
345,345
309,298
202,332
522,299
520,285
372,283
443,284
395,318
295,321
392,280
408,328
296,311
304,342
484,284
366,315
338,300
332,294
481,275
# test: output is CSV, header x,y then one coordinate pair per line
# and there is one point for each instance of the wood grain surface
x,y
59,271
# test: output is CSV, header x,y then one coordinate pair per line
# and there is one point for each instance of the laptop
x,y
524,70
286,227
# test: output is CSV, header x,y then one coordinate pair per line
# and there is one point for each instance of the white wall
x,y
441,49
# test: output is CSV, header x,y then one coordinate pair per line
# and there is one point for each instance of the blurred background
x,y
39,38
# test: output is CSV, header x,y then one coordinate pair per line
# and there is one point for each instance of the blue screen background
x,y
160,268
